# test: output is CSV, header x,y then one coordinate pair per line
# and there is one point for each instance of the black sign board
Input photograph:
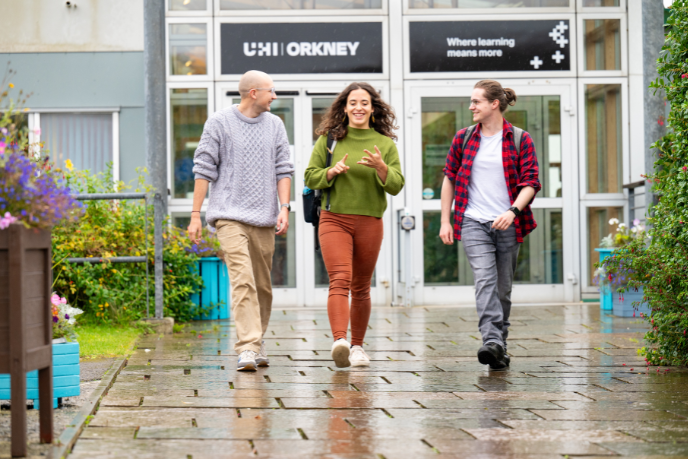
x,y
488,46
279,48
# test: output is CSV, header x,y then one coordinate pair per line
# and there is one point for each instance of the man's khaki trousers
x,y
248,253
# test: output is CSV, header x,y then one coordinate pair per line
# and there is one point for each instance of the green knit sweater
x,y
360,191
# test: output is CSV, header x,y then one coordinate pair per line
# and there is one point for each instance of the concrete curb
x,y
71,433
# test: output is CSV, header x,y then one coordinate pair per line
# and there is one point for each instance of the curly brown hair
x,y
335,120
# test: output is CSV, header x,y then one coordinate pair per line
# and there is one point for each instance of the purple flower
x,y
66,316
55,319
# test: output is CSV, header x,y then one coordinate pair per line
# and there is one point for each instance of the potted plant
x,y
213,299
33,198
620,291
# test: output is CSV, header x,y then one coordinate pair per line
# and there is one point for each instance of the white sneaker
x,y
359,358
340,353
247,361
262,358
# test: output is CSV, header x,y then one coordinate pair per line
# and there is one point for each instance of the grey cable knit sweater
x,y
243,159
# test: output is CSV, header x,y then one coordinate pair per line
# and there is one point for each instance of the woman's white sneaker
x,y
359,358
340,353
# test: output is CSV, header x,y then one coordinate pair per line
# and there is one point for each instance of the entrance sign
x,y
488,46
341,47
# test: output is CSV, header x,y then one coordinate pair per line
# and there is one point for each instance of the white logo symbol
x,y
536,62
558,57
557,34
334,48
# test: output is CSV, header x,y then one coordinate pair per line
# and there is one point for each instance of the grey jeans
x,y
492,255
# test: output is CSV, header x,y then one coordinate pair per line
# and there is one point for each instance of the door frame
x,y
566,89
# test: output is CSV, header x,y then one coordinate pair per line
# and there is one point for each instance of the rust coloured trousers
x,y
350,246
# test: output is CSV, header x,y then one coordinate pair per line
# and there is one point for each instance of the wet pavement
x,y
576,387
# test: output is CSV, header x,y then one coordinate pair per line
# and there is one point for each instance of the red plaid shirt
x,y
519,171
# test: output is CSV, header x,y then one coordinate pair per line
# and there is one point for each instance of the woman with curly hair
x,y
366,167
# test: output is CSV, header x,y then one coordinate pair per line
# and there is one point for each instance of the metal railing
x,y
633,196
158,216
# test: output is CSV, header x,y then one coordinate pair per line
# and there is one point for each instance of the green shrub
x,y
115,293
661,266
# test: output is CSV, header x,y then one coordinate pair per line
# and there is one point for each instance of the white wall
x,y
44,26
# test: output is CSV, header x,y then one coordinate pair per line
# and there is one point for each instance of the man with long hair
x,y
244,153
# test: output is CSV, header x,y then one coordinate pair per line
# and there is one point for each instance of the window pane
x,y
188,5
320,107
299,4
488,3
602,44
540,259
284,260
188,47
189,114
603,137
83,138
441,118
597,3
599,227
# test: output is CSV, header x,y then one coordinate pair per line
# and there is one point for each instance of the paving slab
x,y
575,387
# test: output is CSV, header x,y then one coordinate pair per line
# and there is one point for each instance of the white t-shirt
x,y
488,196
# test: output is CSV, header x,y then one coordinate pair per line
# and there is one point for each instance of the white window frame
x,y
601,9
300,13
488,11
586,286
308,76
207,12
500,75
182,204
582,154
34,119
623,37
210,45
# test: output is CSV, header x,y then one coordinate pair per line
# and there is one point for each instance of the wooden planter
x,y
215,290
26,328
66,376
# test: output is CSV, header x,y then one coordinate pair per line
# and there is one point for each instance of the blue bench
x,y
66,376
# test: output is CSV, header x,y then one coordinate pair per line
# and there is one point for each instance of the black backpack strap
x,y
331,144
466,137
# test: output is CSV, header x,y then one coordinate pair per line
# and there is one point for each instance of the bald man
x,y
244,153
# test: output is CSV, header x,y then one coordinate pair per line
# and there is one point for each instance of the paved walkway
x,y
576,388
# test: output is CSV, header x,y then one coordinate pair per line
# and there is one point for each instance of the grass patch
x,y
101,341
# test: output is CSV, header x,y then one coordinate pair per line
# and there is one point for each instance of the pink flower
x,y
684,168
55,299
685,75
63,300
7,220
3,145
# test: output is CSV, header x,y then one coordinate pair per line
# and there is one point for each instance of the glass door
x,y
546,258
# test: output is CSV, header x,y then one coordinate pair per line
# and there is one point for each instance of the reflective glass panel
x,y
603,138
441,118
188,49
598,3
83,138
299,4
540,259
602,44
599,227
320,107
488,3
188,5
189,113
284,260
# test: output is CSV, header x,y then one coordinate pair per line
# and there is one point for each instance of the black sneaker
x,y
500,365
491,354
507,359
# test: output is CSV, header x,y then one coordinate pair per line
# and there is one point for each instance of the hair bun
x,y
510,95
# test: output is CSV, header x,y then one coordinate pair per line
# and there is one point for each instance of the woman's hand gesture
x,y
339,168
373,160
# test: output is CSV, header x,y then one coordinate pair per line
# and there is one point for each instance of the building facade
x,y
576,66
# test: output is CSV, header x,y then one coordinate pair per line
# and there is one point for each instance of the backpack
x,y
312,199
518,136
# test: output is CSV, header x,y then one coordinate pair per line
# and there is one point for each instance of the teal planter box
x,y
215,290
605,292
623,304
66,376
